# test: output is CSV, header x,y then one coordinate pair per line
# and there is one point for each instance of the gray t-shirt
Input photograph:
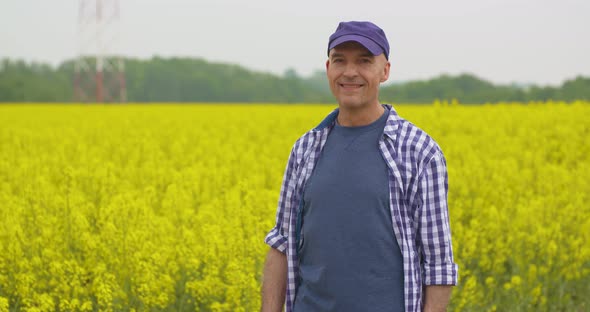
x,y
349,258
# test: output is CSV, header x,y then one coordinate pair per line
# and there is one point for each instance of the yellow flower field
x,y
165,207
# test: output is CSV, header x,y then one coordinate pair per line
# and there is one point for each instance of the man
x,y
362,222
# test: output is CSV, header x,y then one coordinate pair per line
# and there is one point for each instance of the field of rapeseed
x,y
165,207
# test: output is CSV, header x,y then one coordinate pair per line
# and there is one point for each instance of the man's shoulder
x,y
410,139
416,142
304,143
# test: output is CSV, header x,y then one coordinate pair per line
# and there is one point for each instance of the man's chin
x,y
350,103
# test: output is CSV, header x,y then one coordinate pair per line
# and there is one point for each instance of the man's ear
x,y
327,64
386,69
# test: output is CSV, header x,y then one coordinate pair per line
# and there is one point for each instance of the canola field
x,y
165,207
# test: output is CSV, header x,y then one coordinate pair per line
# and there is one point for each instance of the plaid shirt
x,y
418,186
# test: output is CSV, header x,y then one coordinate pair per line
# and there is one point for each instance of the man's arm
x,y
274,281
437,298
438,266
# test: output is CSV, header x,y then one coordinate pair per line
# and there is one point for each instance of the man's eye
x,y
337,61
365,60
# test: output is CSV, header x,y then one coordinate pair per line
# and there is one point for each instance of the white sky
x,y
526,41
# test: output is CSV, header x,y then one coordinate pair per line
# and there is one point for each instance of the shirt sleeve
x,y
438,266
278,235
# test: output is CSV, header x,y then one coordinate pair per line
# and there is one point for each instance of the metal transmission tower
x,y
99,73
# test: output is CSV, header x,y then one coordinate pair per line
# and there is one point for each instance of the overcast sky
x,y
525,41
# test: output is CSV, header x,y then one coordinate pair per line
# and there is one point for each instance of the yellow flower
x,y
134,208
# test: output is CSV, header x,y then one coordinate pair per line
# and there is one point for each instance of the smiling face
x,y
355,75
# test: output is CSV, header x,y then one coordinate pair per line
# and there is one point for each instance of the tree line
x,y
197,80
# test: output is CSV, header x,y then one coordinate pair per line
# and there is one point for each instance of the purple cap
x,y
366,33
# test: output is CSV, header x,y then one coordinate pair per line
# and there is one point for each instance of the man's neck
x,y
359,117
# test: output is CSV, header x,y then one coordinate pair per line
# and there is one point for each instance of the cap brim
x,y
373,47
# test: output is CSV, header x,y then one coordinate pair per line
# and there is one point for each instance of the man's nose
x,y
350,70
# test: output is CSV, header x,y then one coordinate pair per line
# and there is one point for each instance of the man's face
x,y
355,74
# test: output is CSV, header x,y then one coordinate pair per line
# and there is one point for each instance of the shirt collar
x,y
390,129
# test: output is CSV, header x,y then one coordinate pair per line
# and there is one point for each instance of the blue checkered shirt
x,y
418,187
